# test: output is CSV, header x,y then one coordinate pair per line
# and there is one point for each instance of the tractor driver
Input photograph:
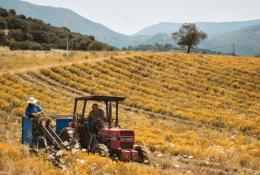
x,y
94,118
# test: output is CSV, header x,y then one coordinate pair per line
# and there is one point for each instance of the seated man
x,y
95,116
34,111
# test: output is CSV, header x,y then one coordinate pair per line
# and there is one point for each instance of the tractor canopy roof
x,y
100,98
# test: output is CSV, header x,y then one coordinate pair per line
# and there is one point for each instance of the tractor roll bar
x,y
108,102
101,98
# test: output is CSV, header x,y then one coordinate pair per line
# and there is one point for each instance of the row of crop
x,y
15,93
171,82
133,100
102,67
123,86
162,76
102,84
126,66
185,72
233,68
143,90
57,77
213,90
233,91
167,96
245,82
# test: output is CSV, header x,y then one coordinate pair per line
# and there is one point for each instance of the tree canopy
x,y
189,35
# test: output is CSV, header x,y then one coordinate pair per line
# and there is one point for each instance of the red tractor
x,y
110,139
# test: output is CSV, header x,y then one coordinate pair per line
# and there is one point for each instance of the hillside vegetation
x,y
196,113
22,33
150,35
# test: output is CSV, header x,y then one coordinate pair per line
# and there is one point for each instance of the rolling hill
x,y
196,113
221,35
247,41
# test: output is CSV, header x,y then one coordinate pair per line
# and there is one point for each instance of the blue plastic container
x,y
62,123
27,131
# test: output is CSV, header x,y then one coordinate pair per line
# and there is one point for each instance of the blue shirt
x,y
32,109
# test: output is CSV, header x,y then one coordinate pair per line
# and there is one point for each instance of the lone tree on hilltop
x,y
189,35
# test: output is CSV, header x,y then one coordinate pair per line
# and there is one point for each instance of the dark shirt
x,y
32,109
95,116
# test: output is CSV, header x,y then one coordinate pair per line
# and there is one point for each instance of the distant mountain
x,y
163,27
211,28
245,35
247,41
62,17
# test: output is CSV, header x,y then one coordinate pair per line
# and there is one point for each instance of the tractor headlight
x,y
127,139
113,138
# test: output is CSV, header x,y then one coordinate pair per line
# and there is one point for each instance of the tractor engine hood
x,y
117,132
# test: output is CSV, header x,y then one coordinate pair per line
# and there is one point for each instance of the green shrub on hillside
x,y
3,39
33,34
3,24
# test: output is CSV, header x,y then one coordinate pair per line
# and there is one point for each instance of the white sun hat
x,y
32,100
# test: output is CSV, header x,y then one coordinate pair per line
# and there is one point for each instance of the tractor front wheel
x,y
101,149
143,154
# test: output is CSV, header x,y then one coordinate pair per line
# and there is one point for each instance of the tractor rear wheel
x,y
143,154
101,149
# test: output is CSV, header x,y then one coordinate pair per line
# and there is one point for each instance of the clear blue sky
x,y
129,16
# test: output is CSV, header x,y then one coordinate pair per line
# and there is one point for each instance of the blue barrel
x,y
62,123
27,131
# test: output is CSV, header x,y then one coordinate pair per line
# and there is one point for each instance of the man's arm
x,y
101,114
90,116
39,109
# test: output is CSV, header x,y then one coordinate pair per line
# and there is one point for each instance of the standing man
x,y
33,109
34,112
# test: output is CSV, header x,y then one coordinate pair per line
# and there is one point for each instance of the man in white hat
x,y
33,109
